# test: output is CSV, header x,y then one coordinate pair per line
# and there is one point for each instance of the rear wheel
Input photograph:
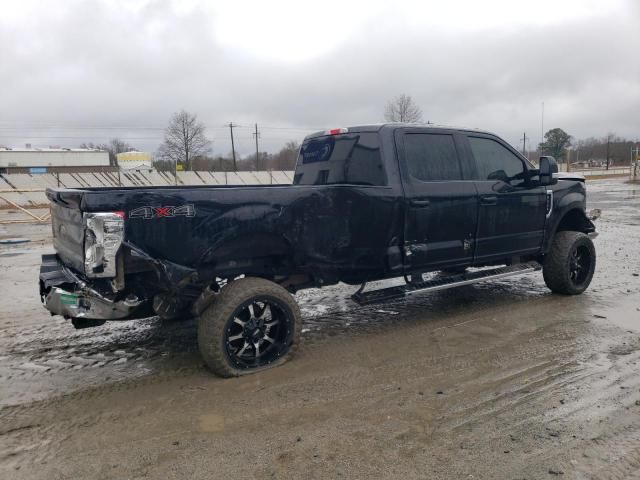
x,y
253,324
570,263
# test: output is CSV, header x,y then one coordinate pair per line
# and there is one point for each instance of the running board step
x,y
449,281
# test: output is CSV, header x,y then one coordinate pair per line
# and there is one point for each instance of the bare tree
x,y
286,158
402,109
592,151
117,146
114,147
184,139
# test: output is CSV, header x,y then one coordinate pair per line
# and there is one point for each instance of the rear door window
x,y
431,157
352,158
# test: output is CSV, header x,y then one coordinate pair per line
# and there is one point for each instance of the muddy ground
x,y
495,380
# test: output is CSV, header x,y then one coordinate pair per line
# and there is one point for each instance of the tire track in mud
x,y
624,463
585,434
49,349
135,349
341,388
42,442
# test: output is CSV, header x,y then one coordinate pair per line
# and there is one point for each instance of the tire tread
x,y
555,269
212,322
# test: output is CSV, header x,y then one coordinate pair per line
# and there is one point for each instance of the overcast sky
x,y
84,71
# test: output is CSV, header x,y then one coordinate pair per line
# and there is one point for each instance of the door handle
x,y
488,200
419,203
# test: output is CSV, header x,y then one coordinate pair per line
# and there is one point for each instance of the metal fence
x,y
29,215
25,193
601,172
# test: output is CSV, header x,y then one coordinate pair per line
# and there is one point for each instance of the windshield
x,y
352,158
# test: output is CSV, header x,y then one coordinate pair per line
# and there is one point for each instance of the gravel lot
x,y
494,380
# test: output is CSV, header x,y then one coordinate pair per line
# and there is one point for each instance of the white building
x,y
52,158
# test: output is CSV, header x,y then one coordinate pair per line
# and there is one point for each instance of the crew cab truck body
x,y
367,203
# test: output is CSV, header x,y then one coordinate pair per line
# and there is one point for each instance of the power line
x,y
100,133
94,137
113,127
76,137
294,128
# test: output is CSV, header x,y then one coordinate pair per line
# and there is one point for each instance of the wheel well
x,y
575,220
259,255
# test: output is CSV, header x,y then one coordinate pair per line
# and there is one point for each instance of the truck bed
x,y
222,229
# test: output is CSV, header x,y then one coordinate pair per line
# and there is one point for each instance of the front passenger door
x,y
512,211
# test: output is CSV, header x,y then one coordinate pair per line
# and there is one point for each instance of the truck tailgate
x,y
68,232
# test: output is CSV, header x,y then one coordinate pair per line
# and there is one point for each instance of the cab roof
x,y
375,127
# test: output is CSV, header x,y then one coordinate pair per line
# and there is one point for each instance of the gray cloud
x,y
92,65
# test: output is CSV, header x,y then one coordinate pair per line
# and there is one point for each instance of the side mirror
x,y
548,167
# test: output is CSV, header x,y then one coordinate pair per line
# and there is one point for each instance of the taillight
x,y
103,236
336,131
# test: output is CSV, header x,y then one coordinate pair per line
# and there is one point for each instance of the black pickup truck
x,y
367,203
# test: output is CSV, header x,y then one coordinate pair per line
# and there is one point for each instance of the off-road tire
x,y
213,321
556,268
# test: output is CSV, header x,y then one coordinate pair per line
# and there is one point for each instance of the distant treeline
x,y
285,159
596,151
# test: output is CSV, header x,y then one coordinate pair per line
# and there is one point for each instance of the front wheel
x,y
252,324
570,263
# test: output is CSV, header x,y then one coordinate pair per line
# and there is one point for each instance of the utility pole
x,y
233,148
524,143
608,142
542,131
257,151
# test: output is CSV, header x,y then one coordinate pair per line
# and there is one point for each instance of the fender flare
x,y
573,213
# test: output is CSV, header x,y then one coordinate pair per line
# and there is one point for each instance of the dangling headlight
x,y
103,236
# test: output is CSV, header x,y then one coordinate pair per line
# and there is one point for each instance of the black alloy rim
x,y
258,333
579,265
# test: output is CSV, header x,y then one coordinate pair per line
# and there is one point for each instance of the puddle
x,y
624,313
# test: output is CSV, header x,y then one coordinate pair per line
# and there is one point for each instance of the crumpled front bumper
x,y
64,293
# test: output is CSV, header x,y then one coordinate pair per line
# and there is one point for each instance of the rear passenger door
x,y
441,207
512,211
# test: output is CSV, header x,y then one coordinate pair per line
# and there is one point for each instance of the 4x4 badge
x,y
163,212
